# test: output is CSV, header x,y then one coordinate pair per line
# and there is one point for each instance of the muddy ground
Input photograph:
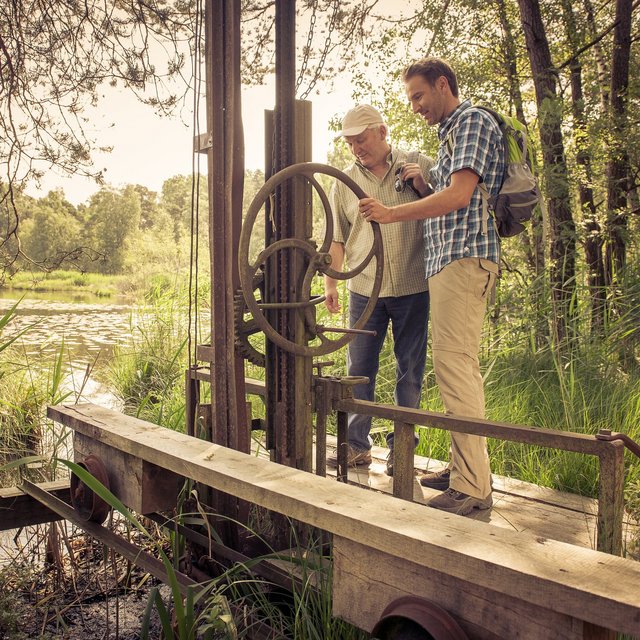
x,y
60,583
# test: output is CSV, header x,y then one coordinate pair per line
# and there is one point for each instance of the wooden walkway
x,y
517,505
498,581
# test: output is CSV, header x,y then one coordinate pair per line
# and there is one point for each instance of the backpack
x,y
519,193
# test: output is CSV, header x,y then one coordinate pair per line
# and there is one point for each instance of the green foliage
x,y
60,280
147,374
110,219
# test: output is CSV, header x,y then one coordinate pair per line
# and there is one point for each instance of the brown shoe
x,y
436,480
453,501
355,457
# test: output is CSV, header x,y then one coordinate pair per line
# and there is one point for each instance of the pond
x,y
87,329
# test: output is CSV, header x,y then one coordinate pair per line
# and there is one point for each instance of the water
x,y
86,328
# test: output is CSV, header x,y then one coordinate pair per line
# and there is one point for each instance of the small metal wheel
x,y
88,504
319,261
413,618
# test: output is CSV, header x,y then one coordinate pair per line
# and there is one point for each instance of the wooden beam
x,y
484,614
125,548
20,510
584,584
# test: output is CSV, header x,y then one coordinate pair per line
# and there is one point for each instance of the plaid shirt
x,y
469,139
403,242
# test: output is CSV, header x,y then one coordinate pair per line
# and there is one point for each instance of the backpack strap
x,y
484,193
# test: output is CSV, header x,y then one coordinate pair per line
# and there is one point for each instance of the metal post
x,y
289,379
343,469
226,169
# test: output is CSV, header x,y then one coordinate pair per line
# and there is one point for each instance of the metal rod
x,y
343,447
365,332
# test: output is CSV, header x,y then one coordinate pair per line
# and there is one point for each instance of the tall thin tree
x,y
561,225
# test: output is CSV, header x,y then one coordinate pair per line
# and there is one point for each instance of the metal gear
x,y
245,327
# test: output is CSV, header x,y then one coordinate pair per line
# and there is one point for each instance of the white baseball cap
x,y
356,120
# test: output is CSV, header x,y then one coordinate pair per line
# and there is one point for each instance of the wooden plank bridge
x,y
498,581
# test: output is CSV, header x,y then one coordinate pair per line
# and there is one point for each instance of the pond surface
x,y
86,328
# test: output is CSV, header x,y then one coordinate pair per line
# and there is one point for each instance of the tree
x,y
54,56
177,195
562,228
111,219
618,165
593,241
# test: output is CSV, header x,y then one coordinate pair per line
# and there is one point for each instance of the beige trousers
x,y
459,295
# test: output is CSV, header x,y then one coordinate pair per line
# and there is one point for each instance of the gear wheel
x,y
245,327
316,260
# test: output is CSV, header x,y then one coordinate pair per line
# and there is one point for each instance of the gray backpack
x,y
519,194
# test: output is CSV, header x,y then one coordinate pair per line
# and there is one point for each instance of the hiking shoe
x,y
453,501
355,457
436,480
390,464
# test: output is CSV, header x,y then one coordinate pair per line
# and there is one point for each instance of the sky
x,y
148,149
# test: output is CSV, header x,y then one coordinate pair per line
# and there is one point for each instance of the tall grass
x,y
26,387
148,373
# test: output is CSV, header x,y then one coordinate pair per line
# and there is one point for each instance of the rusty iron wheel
x,y
88,504
318,263
413,617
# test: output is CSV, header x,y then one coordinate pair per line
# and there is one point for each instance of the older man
x,y
387,174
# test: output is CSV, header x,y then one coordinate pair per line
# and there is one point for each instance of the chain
x,y
325,50
307,50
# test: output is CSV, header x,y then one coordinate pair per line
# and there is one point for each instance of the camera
x,y
400,184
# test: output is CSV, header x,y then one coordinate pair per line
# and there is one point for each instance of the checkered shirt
x,y
475,142
402,241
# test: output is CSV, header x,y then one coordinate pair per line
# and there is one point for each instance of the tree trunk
x,y
593,241
533,239
601,64
561,225
617,168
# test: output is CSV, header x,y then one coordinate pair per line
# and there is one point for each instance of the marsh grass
x,y
148,373
26,387
61,280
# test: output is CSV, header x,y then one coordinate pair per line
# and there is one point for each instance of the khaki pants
x,y
459,295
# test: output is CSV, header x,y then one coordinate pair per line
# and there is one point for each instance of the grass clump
x,y
67,280
148,373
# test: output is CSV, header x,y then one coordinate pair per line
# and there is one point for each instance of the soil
x,y
59,583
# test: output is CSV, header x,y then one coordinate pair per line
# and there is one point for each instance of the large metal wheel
x,y
413,618
319,261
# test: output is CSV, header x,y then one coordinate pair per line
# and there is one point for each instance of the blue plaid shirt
x,y
469,139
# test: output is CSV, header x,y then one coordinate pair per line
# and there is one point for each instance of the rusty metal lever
x,y
320,328
632,445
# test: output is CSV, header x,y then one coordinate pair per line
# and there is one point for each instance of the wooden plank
x,y
20,510
565,440
139,484
520,506
365,581
588,585
512,512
